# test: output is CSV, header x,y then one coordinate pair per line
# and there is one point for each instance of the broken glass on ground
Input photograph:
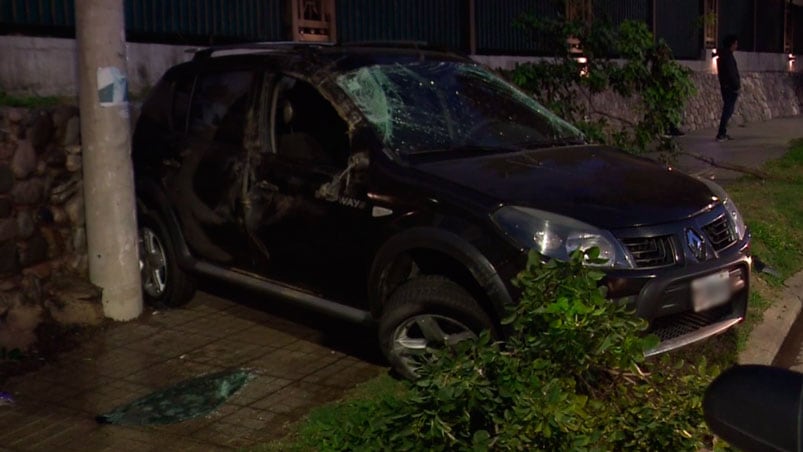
x,y
6,399
188,399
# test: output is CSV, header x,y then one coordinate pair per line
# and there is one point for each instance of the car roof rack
x,y
202,53
393,44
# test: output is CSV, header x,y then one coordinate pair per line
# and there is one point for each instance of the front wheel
x,y
426,313
164,284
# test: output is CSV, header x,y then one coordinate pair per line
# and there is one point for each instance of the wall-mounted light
x,y
791,57
582,62
714,62
584,71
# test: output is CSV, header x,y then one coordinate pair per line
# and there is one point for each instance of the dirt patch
x,y
45,319
52,340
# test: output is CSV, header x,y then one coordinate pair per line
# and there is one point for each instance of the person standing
x,y
729,83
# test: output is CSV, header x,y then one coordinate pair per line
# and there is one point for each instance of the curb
x,y
767,337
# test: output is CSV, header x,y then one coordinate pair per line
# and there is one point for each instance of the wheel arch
x,y
150,197
435,251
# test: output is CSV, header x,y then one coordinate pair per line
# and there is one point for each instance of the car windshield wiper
x,y
537,144
469,148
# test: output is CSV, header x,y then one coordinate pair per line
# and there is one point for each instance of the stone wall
x,y
764,95
43,262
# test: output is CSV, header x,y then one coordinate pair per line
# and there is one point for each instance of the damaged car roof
x,y
308,59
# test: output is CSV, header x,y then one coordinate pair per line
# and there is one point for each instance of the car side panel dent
x,y
448,243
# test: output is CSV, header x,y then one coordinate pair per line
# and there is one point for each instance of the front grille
x,y
676,325
651,252
720,233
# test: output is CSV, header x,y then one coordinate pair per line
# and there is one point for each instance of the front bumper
x,y
664,297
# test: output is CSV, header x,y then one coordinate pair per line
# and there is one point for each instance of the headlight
x,y
557,236
735,217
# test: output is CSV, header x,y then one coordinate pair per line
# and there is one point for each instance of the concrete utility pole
x,y
108,175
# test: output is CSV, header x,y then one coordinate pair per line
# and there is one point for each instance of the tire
x,y
164,284
424,313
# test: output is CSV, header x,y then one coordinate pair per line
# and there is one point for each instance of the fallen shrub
x,y
570,376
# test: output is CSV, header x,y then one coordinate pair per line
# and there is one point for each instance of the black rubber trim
x,y
449,244
287,293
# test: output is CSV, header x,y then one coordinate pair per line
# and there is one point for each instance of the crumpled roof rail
x,y
202,53
392,44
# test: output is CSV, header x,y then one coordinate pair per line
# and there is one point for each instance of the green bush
x,y
570,376
626,60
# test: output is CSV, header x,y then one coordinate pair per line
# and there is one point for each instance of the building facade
x,y
479,27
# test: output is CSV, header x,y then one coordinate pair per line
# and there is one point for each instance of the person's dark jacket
x,y
728,72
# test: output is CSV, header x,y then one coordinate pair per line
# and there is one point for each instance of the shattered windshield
x,y
432,106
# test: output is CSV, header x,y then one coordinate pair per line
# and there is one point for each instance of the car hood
x,y
601,186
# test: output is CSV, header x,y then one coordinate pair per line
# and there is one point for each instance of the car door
x,y
206,188
310,217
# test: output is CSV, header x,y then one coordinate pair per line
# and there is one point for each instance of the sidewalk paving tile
x,y
170,343
290,364
265,336
227,353
258,388
296,398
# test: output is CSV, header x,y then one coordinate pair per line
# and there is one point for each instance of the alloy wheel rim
x,y
416,338
152,263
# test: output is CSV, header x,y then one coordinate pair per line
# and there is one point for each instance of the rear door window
x,y
220,105
182,90
307,129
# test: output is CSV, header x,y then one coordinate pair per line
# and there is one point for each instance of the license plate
x,y
709,291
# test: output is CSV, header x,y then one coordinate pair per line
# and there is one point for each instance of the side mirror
x,y
756,408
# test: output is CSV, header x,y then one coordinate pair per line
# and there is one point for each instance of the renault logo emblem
x,y
696,244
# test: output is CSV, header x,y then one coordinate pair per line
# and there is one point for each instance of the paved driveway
x,y
301,361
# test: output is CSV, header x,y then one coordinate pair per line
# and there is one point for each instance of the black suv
x,y
403,186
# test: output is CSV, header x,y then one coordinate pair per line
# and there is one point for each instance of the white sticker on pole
x,y
112,87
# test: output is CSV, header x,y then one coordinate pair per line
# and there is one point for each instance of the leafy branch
x,y
571,375
626,60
